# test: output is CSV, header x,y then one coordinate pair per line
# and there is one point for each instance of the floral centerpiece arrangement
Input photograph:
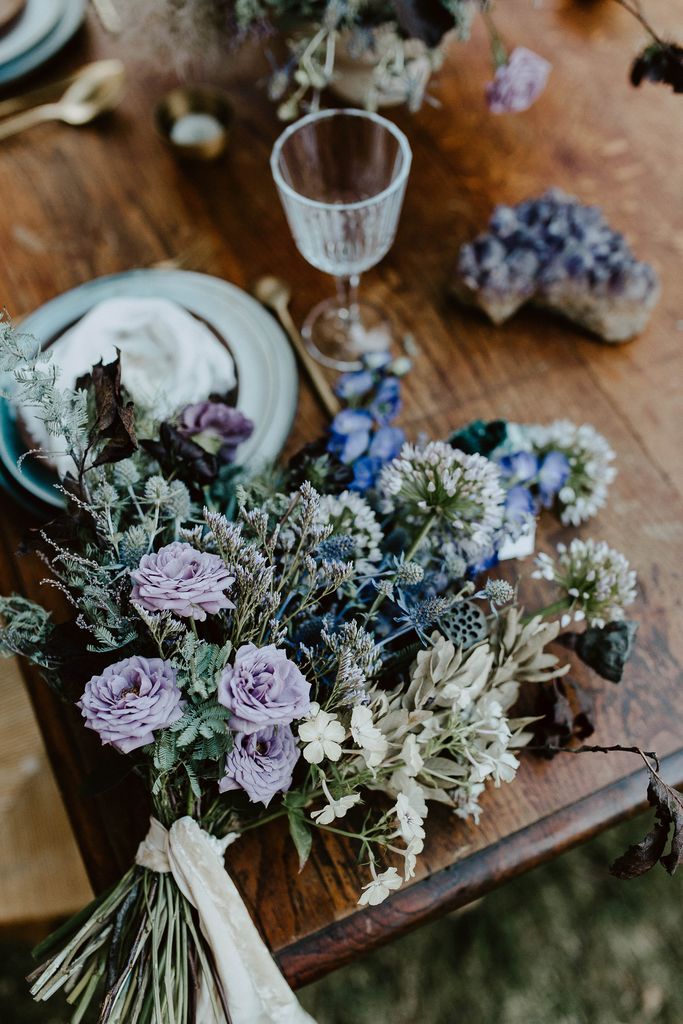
x,y
309,642
378,53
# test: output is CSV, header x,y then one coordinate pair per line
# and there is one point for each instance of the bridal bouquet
x,y
306,643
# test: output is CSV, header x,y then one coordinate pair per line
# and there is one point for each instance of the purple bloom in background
x,y
263,688
354,385
261,763
386,404
182,580
216,427
130,700
350,434
518,83
520,466
552,476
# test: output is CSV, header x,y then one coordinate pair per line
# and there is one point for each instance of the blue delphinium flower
x,y
354,385
386,404
350,434
520,467
520,508
360,435
552,476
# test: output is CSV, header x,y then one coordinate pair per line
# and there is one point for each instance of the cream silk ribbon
x,y
254,990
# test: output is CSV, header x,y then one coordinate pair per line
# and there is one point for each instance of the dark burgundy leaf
x,y
660,62
565,709
643,856
182,457
114,417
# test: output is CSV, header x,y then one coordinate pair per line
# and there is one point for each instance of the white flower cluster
x,y
349,514
435,480
590,463
597,580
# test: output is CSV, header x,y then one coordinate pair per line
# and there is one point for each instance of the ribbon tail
x,y
253,987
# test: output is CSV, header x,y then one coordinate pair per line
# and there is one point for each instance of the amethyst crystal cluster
x,y
559,254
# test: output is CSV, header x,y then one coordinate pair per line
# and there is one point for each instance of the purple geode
x,y
263,688
558,254
261,763
215,426
518,83
182,580
130,700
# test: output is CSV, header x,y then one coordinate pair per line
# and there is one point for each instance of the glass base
x,y
338,337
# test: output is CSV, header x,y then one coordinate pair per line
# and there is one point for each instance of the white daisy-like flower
x,y
464,491
322,733
377,890
597,580
409,821
350,514
367,736
334,808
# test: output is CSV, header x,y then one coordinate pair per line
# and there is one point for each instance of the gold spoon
x,y
100,88
274,293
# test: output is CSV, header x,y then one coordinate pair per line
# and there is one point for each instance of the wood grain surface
x,y
77,204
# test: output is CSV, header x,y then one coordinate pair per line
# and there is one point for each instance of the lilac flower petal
x,y
180,579
263,688
518,83
261,763
130,700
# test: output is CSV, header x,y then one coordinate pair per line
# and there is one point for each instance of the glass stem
x,y
347,296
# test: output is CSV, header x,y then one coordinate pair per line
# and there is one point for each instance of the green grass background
x,y
566,944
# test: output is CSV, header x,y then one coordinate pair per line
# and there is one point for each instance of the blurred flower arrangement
x,y
308,642
382,52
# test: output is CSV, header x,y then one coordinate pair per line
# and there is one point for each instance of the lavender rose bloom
x,y
518,83
261,763
263,688
130,700
216,427
182,580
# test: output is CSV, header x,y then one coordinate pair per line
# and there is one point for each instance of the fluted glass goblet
x,y
341,176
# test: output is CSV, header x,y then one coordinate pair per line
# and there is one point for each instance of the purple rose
x,y
518,83
182,580
216,427
261,763
263,688
130,700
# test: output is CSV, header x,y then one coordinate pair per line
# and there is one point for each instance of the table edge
x,y
316,955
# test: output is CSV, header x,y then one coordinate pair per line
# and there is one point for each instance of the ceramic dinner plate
x,y
9,11
36,21
265,366
70,15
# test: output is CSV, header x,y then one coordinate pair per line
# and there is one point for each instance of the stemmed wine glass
x,y
341,175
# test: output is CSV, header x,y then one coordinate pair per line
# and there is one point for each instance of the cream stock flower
x,y
367,736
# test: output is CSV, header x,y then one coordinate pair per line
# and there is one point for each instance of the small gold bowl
x,y
195,121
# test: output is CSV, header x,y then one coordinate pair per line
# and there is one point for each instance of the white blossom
x,y
377,890
597,580
322,733
367,736
436,480
410,755
334,808
409,821
350,514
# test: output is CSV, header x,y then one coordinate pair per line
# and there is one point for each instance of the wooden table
x,y
77,204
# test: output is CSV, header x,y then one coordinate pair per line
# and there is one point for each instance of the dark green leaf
x,y
301,835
